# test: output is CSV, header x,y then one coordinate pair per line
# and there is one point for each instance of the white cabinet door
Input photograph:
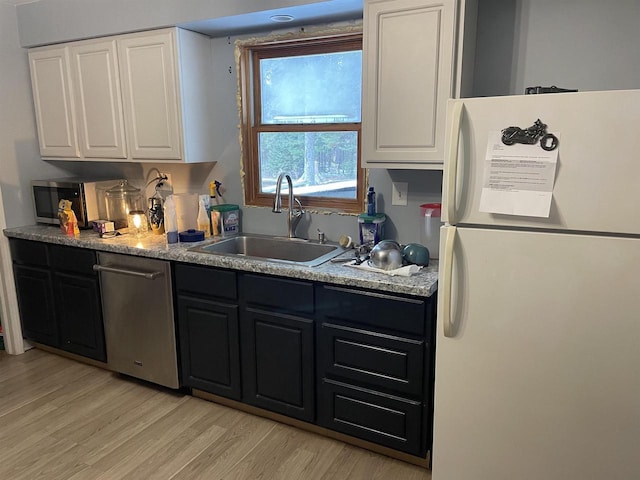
x,y
53,102
94,67
148,71
408,70
539,378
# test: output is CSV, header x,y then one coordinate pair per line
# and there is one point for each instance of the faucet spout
x,y
294,215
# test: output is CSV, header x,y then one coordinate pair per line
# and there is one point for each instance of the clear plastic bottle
x,y
204,223
170,220
430,234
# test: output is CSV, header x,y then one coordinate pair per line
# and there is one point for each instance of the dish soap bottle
x,y
371,201
203,221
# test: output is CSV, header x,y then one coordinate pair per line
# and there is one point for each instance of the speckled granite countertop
x,y
424,283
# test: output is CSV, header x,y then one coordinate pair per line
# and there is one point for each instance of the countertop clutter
x,y
424,283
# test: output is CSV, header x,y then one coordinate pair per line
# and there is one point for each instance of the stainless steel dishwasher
x,y
137,305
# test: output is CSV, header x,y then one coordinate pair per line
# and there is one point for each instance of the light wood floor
x,y
60,419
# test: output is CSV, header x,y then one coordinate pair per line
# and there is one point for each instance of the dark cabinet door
x,y
210,346
388,420
377,360
278,363
35,301
80,315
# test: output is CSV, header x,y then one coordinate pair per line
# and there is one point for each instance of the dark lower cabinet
x,y
208,327
380,418
59,297
388,362
277,363
351,360
80,314
375,356
35,301
210,346
277,343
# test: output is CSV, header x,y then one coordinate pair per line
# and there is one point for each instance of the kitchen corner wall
x,y
19,161
19,155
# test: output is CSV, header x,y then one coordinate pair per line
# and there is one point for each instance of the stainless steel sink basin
x,y
278,249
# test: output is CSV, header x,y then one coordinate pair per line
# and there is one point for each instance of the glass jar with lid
x,y
120,200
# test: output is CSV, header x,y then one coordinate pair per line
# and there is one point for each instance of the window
x,y
301,116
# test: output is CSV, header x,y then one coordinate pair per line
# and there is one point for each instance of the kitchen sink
x,y
278,249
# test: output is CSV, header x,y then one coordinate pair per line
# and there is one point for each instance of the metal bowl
x,y
386,256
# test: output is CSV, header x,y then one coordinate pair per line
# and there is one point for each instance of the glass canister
x,y
122,199
430,233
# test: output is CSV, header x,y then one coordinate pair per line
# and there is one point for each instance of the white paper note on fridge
x,y
518,179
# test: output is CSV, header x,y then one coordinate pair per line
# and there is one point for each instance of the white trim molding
x,y
9,314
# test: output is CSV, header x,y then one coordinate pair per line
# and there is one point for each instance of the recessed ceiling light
x,y
281,18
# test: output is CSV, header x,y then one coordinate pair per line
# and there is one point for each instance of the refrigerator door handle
x,y
447,281
451,161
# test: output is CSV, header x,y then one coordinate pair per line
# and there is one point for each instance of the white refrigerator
x,y
538,336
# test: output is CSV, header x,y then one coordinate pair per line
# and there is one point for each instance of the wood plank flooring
x,y
61,419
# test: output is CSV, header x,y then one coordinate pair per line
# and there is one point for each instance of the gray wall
x,y
19,155
583,44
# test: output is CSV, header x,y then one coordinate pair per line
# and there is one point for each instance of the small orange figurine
x,y
68,220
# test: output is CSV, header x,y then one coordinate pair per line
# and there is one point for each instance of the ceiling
x,y
18,2
314,13
47,21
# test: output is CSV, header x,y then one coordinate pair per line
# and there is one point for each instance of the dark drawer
x,y
27,252
206,281
386,361
280,293
74,260
384,419
401,314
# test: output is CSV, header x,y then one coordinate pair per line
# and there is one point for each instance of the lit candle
x,y
137,221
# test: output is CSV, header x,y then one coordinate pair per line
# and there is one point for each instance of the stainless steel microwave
x,y
86,196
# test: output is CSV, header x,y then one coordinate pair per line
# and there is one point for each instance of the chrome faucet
x,y
294,215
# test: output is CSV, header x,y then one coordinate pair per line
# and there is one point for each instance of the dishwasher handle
x,y
123,271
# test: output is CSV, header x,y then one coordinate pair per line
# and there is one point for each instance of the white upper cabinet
x,y
94,70
149,85
55,117
413,56
142,97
